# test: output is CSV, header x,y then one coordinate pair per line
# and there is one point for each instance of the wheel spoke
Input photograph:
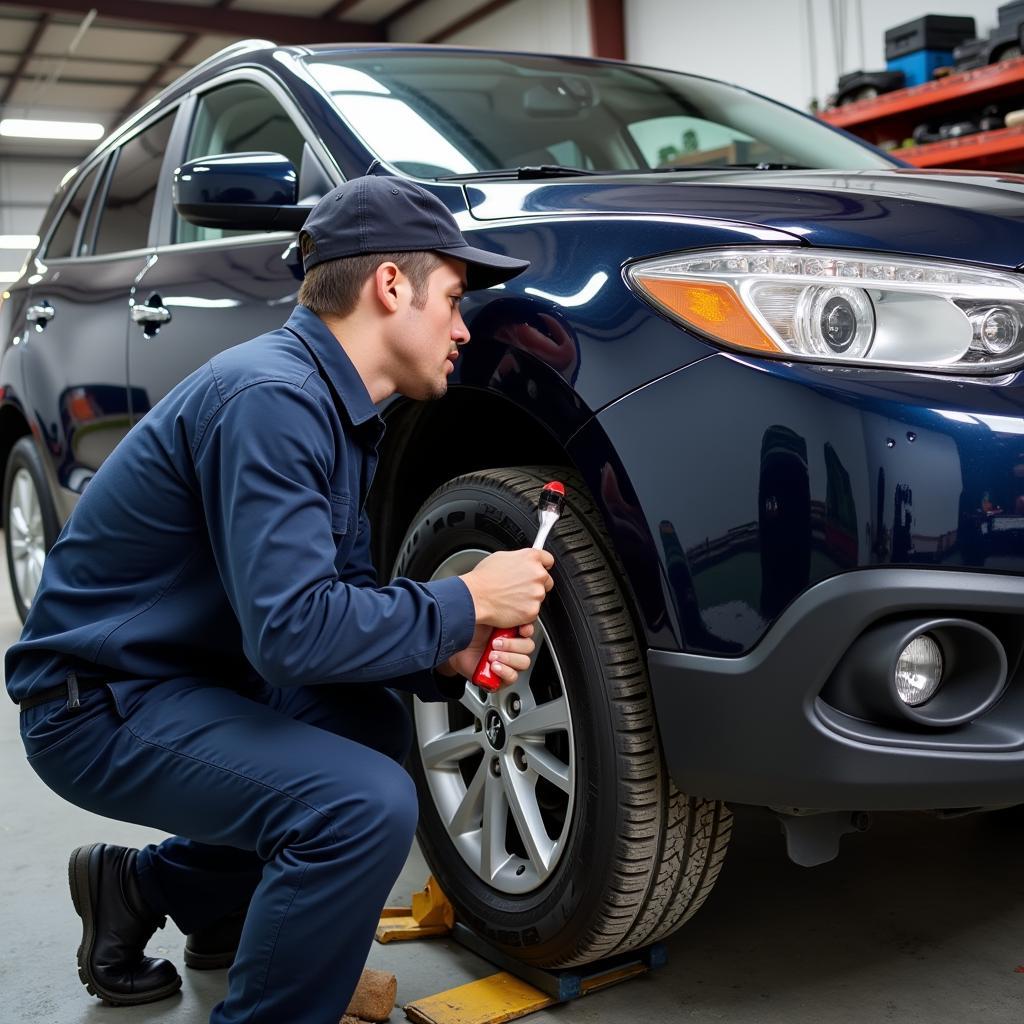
x,y
19,522
468,815
451,747
522,799
21,574
552,716
493,852
26,495
472,702
545,764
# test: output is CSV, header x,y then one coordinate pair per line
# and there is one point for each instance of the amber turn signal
x,y
711,307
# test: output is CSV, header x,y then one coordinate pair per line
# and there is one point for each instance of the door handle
x,y
40,314
148,315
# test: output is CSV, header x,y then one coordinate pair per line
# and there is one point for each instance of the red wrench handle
x,y
483,676
549,508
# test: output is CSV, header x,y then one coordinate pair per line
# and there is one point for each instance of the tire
x,y
632,857
30,522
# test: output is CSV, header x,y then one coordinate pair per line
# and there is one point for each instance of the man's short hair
x,y
332,288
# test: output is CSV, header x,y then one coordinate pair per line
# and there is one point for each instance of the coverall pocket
x,y
46,726
341,511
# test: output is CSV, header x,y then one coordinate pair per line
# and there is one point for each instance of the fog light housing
x,y
919,671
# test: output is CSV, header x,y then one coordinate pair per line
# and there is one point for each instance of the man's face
x,y
425,342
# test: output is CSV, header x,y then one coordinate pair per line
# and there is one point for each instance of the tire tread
x,y
670,847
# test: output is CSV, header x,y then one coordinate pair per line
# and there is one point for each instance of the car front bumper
x,y
755,729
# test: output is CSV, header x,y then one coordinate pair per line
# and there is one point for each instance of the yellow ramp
x,y
494,1000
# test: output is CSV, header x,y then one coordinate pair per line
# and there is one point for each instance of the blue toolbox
x,y
920,46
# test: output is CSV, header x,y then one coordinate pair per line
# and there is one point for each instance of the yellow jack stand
x,y
430,914
516,990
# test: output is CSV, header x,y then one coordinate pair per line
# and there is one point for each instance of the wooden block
x,y
374,997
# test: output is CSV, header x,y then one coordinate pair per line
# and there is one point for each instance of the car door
x,y
75,359
210,287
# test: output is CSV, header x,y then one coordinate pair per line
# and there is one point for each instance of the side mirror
x,y
242,191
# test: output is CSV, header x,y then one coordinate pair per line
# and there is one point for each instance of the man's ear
x,y
386,282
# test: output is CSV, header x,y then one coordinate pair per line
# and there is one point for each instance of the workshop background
x,y
871,936
96,63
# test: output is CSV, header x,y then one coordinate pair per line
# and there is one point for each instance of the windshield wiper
x,y
762,166
520,173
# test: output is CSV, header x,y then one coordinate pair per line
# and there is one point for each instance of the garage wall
x,y
26,188
767,46
545,26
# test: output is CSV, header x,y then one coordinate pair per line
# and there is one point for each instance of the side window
x,y
63,237
238,118
124,222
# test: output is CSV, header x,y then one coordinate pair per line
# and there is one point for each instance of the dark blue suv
x,y
778,371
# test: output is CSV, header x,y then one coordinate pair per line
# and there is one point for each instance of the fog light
x,y
919,670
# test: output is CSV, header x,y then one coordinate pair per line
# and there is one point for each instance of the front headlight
x,y
844,307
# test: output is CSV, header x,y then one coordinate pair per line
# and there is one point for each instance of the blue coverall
x,y
216,576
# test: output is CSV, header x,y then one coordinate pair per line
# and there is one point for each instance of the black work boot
x,y
116,925
214,948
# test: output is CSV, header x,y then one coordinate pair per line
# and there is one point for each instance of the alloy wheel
x,y
501,767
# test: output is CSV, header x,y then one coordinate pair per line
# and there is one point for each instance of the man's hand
x,y
508,587
510,657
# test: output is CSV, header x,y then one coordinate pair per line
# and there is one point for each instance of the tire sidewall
x,y
472,515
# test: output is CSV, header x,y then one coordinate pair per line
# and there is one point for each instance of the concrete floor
x,y
918,921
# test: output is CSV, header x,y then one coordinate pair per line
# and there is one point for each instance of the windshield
x,y
449,112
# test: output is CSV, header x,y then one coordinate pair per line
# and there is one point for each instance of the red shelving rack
x,y
893,117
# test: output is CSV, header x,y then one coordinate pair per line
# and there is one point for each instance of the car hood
x,y
975,216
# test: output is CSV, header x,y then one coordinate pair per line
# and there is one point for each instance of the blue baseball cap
x,y
389,214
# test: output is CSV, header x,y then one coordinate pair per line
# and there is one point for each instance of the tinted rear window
x,y
63,238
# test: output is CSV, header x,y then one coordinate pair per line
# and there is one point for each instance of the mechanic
x,y
209,652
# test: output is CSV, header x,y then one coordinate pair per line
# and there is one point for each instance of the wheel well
x,y
12,427
431,442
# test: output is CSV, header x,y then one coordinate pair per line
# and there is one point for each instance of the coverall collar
x,y
344,376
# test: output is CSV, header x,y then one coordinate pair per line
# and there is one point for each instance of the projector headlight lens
x,y
919,671
843,306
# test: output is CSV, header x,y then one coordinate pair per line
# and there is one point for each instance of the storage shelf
x,y
966,88
994,149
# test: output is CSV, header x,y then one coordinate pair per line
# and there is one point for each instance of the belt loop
x,y
74,704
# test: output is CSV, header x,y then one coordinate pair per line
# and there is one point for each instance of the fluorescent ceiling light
x,y
17,128
9,276
18,241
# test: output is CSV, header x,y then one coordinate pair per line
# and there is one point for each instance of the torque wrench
x,y
549,508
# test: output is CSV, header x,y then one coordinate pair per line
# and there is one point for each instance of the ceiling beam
x,y
281,28
339,9
173,57
65,80
401,12
119,61
29,52
470,19
607,31
157,73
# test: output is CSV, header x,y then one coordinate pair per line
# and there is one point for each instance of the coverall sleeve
x,y
263,465
359,571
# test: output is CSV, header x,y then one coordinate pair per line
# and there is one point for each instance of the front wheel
x,y
546,812
30,522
